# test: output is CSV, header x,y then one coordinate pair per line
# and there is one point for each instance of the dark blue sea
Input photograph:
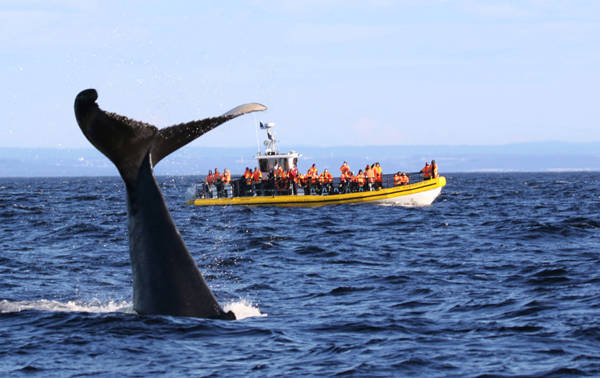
x,y
499,277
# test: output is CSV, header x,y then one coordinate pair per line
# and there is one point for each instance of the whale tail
x,y
166,279
126,142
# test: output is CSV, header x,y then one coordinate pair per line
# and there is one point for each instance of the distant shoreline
x,y
193,160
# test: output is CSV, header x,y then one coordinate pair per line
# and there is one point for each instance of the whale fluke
x,y
166,279
172,138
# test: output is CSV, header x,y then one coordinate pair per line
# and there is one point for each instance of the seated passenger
x,y
247,182
426,171
312,178
257,181
293,175
218,182
398,179
360,181
378,176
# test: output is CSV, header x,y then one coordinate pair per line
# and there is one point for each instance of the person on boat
x,y
405,179
247,182
312,178
257,181
370,176
293,176
345,180
350,181
278,170
434,169
208,181
281,183
398,179
344,168
218,181
209,178
426,171
326,181
303,182
226,177
360,181
378,176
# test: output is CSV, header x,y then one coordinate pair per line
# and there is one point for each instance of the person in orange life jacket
x,y
218,181
370,176
278,171
246,182
344,182
257,181
207,182
378,175
303,182
326,179
426,171
281,182
405,179
312,177
434,169
344,168
350,184
226,177
293,174
360,180
398,179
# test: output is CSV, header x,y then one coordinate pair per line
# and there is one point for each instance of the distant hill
x,y
551,156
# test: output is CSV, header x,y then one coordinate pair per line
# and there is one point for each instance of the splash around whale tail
x,y
126,142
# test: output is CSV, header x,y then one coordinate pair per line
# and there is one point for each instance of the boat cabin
x,y
271,156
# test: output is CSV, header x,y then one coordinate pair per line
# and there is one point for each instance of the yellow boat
x,y
421,193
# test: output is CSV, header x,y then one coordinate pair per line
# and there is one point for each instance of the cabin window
x,y
264,165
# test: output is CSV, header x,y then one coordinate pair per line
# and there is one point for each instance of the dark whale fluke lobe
x,y
166,280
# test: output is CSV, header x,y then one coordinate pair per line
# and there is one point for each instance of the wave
x,y
94,306
242,308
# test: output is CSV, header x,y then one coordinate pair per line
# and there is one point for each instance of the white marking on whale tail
x,y
94,306
243,309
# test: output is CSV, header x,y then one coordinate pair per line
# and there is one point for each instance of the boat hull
x,y
418,194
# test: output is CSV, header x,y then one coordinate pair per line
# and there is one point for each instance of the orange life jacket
x,y
257,176
248,177
398,179
370,175
226,178
378,174
344,168
360,179
426,171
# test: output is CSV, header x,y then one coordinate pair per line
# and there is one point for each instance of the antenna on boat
x,y
270,147
256,132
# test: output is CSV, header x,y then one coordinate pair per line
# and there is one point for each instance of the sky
x,y
331,72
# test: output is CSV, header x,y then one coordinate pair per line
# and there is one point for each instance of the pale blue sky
x,y
332,72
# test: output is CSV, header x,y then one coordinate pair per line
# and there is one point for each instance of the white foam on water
x,y
243,309
70,306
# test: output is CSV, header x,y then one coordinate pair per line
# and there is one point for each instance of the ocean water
x,y
500,277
